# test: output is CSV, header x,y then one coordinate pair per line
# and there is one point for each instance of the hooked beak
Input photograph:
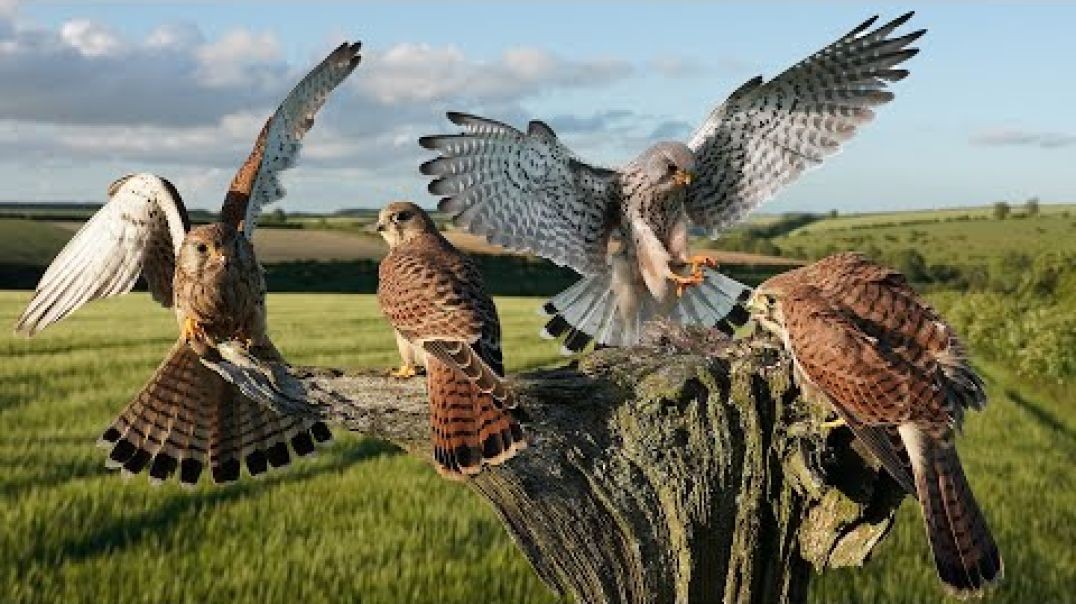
x,y
683,178
380,227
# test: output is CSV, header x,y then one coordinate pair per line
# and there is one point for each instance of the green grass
x,y
871,219
951,242
30,242
366,523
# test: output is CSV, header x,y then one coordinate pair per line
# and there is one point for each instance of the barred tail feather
x,y
469,428
588,311
188,418
716,302
965,554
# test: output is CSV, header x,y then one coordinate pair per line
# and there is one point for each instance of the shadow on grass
x,y
1042,416
156,523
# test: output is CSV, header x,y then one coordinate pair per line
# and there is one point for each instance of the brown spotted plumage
x,y
433,296
897,374
187,418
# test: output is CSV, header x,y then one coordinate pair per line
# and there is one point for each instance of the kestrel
x,y
433,296
895,372
187,416
626,230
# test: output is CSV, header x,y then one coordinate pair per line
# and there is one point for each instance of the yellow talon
x,y
699,261
696,275
192,331
404,372
682,283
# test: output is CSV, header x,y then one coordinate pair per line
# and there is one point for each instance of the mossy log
x,y
684,470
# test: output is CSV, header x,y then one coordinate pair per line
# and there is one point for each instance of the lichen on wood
x,y
684,470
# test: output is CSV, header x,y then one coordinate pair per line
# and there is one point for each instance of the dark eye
x,y
202,248
672,169
403,216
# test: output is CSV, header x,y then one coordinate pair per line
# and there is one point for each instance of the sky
x,y
92,91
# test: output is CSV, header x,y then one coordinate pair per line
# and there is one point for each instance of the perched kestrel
x,y
626,230
187,416
895,372
433,296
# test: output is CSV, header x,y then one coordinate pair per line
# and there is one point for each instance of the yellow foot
x,y
682,283
698,261
192,331
404,372
837,423
696,275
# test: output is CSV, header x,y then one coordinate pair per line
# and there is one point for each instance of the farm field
x,y
938,236
37,242
366,523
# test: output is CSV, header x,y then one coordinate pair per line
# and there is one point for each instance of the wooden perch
x,y
684,470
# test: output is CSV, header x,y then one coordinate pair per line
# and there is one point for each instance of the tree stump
x,y
684,470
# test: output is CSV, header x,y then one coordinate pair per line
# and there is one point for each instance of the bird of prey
x,y
433,296
626,230
896,374
186,416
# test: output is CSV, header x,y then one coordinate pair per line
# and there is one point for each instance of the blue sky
x,y
97,90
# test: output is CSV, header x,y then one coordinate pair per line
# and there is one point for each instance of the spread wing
x,y
766,134
138,231
277,147
526,192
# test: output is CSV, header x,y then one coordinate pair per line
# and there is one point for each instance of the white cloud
x,y
89,38
8,8
422,73
240,58
1025,138
174,36
81,97
676,67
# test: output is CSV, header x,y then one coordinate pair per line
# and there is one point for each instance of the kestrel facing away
x,y
433,296
626,230
187,416
895,372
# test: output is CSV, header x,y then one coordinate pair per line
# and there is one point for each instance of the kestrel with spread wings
x,y
863,341
187,417
433,296
626,230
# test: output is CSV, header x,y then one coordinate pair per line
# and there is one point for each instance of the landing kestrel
x,y
187,416
896,373
433,296
626,230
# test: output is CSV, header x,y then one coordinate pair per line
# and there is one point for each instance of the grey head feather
x,y
656,160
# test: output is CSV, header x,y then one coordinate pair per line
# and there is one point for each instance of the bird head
x,y
400,221
210,248
668,166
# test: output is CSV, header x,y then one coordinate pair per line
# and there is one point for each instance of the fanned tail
x,y
965,555
469,429
187,418
589,310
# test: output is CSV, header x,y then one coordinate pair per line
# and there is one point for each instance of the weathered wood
x,y
686,470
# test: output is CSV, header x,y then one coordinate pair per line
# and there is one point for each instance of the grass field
x,y
954,242
30,242
364,523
